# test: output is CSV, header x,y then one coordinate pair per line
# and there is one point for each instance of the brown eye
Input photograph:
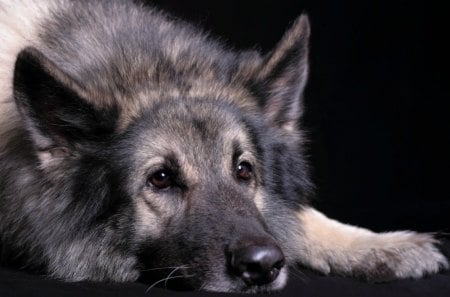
x,y
161,179
244,171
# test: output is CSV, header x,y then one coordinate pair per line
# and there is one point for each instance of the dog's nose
x,y
257,264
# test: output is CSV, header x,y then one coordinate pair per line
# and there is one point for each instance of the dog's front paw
x,y
397,255
329,246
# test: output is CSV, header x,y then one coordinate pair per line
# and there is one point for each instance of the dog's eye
x,y
244,171
161,179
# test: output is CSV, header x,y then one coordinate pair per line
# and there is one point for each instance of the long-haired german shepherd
x,y
130,142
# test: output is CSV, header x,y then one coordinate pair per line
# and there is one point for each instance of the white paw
x,y
408,254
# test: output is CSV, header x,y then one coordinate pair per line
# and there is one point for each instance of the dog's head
x,y
196,179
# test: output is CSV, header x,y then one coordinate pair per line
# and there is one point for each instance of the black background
x,y
377,103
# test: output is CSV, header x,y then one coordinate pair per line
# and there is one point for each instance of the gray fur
x,y
98,96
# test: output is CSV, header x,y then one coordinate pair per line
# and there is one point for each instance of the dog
x,y
135,147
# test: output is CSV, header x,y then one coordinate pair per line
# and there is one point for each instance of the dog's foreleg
x,y
332,247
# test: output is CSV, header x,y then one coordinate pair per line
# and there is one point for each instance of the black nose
x,y
257,264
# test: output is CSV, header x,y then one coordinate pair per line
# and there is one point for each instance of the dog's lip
x,y
236,285
278,284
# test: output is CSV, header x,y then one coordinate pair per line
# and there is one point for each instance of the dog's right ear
x,y
282,76
54,108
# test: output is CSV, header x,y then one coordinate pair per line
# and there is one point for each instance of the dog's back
x,y
115,47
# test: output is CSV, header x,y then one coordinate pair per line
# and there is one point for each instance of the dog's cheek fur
x,y
57,238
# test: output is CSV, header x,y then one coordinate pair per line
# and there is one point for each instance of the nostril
x,y
257,264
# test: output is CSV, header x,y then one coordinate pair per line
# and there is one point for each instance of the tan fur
x,y
330,246
147,221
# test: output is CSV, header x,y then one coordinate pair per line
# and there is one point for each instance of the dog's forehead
x,y
193,128
145,96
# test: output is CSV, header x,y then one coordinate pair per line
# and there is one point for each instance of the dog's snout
x,y
257,264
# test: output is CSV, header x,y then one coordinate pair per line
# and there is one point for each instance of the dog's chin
x,y
231,286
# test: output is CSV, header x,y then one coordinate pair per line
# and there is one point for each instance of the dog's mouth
x,y
249,268
237,285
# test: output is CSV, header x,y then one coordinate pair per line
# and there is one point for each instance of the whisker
x,y
202,287
164,268
170,274
298,273
166,279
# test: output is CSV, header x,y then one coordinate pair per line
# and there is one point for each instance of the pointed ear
x,y
54,108
282,77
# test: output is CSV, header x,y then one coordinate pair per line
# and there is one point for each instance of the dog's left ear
x,y
282,76
55,110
